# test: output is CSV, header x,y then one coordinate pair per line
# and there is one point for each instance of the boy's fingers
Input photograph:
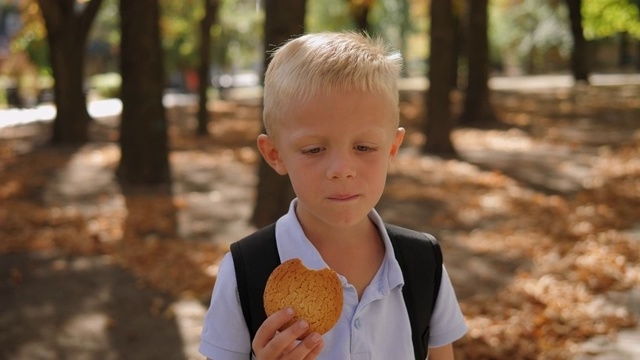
x,y
307,349
272,343
285,342
270,327
313,344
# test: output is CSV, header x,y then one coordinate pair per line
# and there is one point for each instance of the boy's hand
x,y
273,342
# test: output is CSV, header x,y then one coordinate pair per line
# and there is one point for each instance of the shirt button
x,y
357,323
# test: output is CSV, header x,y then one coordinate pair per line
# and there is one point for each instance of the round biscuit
x,y
315,295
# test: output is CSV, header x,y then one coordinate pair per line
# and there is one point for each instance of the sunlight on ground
x,y
47,112
12,117
107,107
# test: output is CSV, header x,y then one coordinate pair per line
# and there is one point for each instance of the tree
x,y
477,106
624,55
458,8
359,10
579,53
283,20
68,23
604,18
438,123
210,14
143,130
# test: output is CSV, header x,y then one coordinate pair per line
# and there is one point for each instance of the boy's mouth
x,y
343,197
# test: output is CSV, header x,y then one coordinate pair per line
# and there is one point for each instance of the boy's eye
x,y
363,148
312,151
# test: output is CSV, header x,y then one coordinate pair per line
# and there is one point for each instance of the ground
x,y
538,219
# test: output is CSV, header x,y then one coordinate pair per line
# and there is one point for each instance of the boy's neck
x,y
337,238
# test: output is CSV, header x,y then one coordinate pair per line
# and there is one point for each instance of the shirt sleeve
x,y
447,321
224,332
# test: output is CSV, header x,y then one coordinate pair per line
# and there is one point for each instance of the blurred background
x,y
525,38
128,165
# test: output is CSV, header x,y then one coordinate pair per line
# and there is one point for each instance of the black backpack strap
x,y
254,258
420,259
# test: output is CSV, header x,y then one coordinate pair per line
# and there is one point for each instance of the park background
x,y
127,165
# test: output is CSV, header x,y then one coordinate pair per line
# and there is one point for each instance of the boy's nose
x,y
340,167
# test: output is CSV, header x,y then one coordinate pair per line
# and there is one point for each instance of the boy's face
x,y
336,150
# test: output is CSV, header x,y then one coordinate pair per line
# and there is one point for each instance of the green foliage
x,y
519,29
106,26
38,51
328,15
179,28
106,85
395,21
31,38
4,84
533,24
530,29
236,35
604,18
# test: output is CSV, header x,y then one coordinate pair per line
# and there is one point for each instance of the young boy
x,y
331,118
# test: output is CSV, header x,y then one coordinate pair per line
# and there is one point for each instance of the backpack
x,y
418,255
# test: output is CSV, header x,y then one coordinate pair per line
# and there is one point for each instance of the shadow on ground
x,y
80,308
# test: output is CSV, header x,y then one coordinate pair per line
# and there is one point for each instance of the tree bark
x,y
67,31
210,14
438,123
477,106
283,20
143,129
579,66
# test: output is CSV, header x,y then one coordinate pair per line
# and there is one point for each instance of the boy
x,y
331,118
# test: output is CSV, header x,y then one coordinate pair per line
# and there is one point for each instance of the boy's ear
x,y
395,146
270,153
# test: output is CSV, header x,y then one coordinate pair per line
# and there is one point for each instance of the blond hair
x,y
326,63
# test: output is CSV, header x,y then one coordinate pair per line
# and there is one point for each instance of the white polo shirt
x,y
376,327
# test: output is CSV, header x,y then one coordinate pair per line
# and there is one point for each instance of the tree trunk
x,y
624,56
360,14
283,20
67,31
405,30
143,129
438,123
210,14
458,41
477,106
579,66
638,55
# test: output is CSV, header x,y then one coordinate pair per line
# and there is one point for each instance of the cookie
x,y
315,295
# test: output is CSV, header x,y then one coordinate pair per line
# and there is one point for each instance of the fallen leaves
x,y
569,250
175,266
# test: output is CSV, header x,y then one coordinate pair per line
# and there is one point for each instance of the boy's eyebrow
x,y
307,135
